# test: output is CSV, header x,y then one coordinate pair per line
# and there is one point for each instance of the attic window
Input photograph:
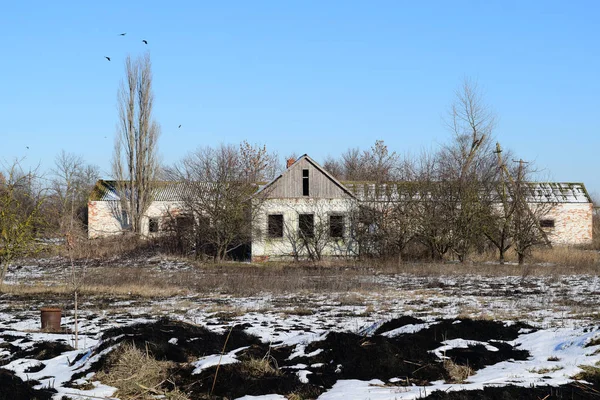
x,y
304,182
547,223
153,225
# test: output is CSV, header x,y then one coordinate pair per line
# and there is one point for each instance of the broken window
x,y
184,223
336,226
547,223
153,225
305,182
306,224
275,228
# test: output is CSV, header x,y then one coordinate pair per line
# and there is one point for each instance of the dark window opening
x,y
547,223
306,223
336,226
184,223
153,225
275,228
305,182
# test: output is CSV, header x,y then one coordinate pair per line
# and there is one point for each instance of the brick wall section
x,y
102,220
572,224
104,217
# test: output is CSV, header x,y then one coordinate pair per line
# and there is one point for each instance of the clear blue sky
x,y
312,77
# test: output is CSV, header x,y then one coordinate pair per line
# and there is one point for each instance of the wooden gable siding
x,y
320,185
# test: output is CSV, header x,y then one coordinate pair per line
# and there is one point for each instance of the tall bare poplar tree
x,y
135,163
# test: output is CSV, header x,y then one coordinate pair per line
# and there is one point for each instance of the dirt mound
x,y
478,356
350,356
398,323
39,351
571,392
14,388
263,369
176,341
468,329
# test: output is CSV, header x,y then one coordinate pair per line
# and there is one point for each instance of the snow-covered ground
x,y
564,309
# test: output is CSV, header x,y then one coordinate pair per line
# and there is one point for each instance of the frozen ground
x,y
563,309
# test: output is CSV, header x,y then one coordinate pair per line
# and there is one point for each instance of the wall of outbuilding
x,y
104,217
265,248
572,223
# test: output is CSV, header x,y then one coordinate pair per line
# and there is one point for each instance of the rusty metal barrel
x,y
51,319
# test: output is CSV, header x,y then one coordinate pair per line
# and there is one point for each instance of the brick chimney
x,y
290,161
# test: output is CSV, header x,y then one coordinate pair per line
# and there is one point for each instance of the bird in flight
x,y
180,126
145,41
108,58
123,34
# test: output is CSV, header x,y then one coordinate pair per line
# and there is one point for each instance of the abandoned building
x,y
305,201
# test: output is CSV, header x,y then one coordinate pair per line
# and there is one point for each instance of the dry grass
x,y
260,367
457,373
124,291
545,370
137,375
141,276
589,373
572,259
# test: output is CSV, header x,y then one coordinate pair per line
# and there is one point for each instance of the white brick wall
x,y
572,223
265,248
104,217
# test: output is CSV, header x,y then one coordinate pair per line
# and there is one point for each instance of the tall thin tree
x,y
135,161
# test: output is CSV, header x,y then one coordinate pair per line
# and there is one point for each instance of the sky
x,y
315,77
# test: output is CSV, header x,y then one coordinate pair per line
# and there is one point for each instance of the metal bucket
x,y
51,319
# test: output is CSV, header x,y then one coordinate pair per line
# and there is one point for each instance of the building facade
x,y
306,213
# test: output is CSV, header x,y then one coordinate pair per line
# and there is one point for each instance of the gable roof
x,y
314,164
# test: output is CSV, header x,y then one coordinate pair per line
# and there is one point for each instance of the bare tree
x,y
135,162
71,183
381,164
353,164
219,185
467,168
334,167
257,164
20,204
528,212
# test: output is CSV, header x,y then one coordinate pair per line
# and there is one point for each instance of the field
x,y
156,327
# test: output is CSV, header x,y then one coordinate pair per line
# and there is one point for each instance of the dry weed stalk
x,y
136,374
457,373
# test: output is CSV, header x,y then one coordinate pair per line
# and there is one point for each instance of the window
x,y
184,223
336,226
306,224
304,182
275,228
153,225
547,223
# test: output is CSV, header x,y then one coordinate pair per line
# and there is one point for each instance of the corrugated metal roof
x,y
539,192
163,191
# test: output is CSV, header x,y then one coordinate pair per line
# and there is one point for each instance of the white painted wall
x,y
104,217
265,248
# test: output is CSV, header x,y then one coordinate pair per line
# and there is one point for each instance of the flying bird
x,y
145,41
180,126
27,147
108,58
123,34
